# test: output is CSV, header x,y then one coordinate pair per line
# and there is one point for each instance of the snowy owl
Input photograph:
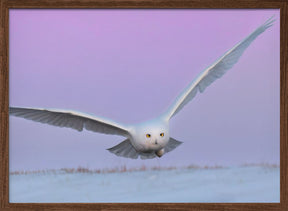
x,y
151,138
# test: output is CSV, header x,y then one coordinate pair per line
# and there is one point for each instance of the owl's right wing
x,y
71,119
215,71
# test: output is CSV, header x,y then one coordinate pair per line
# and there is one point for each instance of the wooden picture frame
x,y
4,93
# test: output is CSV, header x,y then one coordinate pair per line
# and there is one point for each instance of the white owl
x,y
151,138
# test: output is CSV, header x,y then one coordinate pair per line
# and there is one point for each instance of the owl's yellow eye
x,y
148,135
161,134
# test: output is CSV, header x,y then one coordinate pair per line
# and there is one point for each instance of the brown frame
x,y
5,5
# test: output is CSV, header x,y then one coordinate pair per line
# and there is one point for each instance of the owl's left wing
x,y
215,71
71,119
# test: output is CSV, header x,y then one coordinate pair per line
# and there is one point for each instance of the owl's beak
x,y
156,141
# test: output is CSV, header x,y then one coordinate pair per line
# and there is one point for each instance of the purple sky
x,y
129,65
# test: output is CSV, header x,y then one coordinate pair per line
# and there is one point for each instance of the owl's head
x,y
151,135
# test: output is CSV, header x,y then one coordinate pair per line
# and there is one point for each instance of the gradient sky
x,y
129,65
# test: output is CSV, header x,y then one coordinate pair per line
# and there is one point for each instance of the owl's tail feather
x,y
125,149
172,144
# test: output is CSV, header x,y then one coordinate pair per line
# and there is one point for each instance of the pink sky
x,y
128,65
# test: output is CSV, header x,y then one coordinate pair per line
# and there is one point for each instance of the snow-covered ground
x,y
235,184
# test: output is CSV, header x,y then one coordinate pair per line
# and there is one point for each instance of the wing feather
x,y
215,71
71,119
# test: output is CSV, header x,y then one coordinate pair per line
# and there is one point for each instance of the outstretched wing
x,y
215,71
71,119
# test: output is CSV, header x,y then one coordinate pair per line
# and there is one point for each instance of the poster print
x,y
129,66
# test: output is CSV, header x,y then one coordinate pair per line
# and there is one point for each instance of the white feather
x,y
215,71
71,119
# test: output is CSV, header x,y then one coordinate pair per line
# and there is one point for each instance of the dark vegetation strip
x,y
123,169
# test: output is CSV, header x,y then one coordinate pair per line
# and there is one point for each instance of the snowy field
x,y
235,184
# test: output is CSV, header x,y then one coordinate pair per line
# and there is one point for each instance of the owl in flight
x,y
151,138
